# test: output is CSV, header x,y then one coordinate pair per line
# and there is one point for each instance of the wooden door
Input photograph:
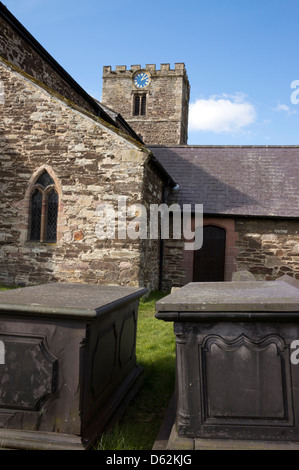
x,y
209,261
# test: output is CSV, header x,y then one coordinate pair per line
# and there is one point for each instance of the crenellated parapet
x,y
165,68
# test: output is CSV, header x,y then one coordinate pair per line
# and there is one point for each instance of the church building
x,y
64,155
249,193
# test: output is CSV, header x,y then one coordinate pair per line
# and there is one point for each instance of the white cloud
x,y
224,113
285,108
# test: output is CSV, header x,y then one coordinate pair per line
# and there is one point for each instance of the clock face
x,y
141,80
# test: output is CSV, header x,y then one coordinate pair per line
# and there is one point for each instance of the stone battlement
x,y
178,68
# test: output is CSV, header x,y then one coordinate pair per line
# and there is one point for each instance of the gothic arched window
x,y
44,210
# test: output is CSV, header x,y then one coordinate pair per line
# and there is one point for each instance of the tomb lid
x,y
68,300
246,298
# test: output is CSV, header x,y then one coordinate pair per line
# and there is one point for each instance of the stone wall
x,y
266,248
150,248
91,163
157,132
176,264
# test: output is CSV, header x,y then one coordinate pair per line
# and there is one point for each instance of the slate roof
x,y
237,180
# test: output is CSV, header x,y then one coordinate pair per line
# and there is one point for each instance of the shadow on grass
x,y
139,426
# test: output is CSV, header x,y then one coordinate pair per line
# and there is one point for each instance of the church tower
x,y
154,102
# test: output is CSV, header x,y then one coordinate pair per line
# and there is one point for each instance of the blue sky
x,y
240,55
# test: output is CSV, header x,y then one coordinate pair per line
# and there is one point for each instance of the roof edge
x,y
155,162
29,38
151,158
220,146
67,102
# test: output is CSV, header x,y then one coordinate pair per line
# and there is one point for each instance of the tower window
x,y
139,105
44,210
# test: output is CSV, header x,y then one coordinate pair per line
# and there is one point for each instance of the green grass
x,y
155,350
7,288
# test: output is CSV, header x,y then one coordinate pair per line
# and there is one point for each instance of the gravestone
x,y
67,363
237,364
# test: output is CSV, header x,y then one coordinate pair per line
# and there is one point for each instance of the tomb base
x,y
68,366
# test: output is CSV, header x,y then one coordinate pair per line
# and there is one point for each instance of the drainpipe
x,y
161,258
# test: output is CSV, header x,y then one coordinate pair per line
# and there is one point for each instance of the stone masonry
x,y
91,163
250,192
167,98
93,153
18,52
268,249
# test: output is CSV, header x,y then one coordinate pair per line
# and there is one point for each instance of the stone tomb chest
x,y
237,375
67,362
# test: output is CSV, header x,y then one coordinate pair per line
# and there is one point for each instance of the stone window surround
x,y
45,192
32,186
141,94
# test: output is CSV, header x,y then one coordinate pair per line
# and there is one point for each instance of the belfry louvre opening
x,y
139,108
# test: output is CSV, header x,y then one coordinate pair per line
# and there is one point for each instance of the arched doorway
x,y
209,261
